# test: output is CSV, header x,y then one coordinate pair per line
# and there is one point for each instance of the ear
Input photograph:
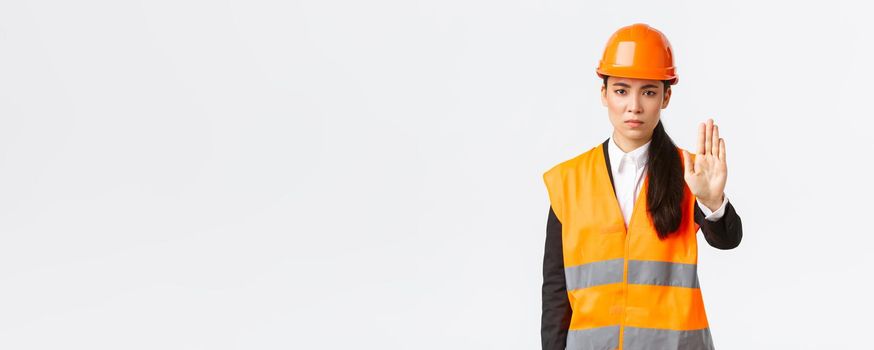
x,y
603,95
667,98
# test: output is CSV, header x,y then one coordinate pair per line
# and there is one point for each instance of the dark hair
x,y
664,195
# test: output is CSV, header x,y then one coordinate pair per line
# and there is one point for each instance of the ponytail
x,y
664,194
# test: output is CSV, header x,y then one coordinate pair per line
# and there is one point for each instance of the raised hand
x,y
706,174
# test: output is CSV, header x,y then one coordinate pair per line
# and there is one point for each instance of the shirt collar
x,y
638,156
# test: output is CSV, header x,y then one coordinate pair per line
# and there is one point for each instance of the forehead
x,y
633,82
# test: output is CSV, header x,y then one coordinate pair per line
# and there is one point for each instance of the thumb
x,y
687,160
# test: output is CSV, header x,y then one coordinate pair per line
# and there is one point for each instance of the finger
x,y
701,138
708,137
722,150
687,161
715,139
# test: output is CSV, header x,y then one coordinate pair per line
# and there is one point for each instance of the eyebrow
x,y
647,86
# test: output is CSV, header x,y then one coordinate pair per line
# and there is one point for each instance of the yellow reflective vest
x,y
627,288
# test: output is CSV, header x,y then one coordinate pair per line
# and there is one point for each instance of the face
x,y
634,106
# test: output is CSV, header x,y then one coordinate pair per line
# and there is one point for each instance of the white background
x,y
367,174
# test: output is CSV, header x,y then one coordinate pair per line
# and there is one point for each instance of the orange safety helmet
x,y
638,51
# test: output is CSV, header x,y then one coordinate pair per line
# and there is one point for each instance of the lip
x,y
633,123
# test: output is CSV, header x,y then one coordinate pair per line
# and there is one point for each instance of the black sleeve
x,y
556,317
724,233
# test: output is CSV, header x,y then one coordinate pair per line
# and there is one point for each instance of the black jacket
x,y
725,233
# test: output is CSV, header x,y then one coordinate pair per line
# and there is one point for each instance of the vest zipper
x,y
624,287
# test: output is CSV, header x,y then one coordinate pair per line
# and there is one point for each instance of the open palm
x,y
706,171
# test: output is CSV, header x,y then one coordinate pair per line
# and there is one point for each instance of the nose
x,y
634,105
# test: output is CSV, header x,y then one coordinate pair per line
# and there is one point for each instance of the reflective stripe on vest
x,y
657,273
639,339
627,288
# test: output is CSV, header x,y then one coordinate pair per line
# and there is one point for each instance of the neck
x,y
628,145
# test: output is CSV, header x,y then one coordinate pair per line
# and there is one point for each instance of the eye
x,y
649,93
620,91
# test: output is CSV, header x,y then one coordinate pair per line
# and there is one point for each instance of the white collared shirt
x,y
628,170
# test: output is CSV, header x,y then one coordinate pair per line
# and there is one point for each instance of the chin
x,y
637,134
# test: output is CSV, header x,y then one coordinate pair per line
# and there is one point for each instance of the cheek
x,y
651,106
615,105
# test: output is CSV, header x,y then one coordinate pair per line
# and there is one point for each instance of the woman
x,y
620,262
